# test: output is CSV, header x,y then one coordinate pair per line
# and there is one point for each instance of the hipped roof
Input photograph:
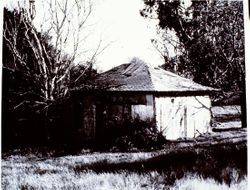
x,y
140,77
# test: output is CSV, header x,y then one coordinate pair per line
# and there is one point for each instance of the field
x,y
107,171
213,161
178,167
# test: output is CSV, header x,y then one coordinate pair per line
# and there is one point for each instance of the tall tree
x,y
65,21
209,40
36,69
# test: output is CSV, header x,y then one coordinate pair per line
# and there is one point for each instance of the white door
x,y
178,117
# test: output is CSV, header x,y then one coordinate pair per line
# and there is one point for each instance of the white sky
x,y
119,23
130,34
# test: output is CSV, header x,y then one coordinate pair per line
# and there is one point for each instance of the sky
x,y
128,32
118,24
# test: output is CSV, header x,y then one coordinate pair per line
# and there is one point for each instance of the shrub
x,y
133,135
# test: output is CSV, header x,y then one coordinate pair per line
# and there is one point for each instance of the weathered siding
x,y
179,117
176,117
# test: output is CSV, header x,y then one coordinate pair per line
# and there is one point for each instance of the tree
x,y
209,39
36,69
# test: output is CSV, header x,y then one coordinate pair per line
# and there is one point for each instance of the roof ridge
x,y
150,75
140,76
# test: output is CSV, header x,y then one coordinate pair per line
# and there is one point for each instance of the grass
x,y
112,181
86,180
193,182
221,167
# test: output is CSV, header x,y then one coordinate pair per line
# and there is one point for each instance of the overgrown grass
x,y
216,167
90,180
214,162
194,182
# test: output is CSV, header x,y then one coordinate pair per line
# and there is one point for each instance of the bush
x,y
133,135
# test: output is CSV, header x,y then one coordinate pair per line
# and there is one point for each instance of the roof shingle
x,y
137,76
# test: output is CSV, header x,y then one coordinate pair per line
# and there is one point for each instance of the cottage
x,y
178,106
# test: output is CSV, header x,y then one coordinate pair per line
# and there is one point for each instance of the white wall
x,y
179,117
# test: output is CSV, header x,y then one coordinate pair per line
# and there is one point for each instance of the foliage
x,y
209,40
133,134
36,81
82,76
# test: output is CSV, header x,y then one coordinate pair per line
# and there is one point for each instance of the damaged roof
x,y
138,76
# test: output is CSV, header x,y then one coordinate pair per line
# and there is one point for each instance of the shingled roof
x,y
138,76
